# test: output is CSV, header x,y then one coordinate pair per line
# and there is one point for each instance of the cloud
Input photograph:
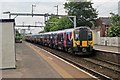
x,y
32,0
47,6
26,7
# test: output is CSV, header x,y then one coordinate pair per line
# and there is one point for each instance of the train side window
x,y
61,35
56,36
59,39
65,36
51,36
69,35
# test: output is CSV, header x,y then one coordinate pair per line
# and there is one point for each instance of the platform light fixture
x,y
7,12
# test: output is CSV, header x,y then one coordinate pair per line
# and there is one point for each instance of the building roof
x,y
103,20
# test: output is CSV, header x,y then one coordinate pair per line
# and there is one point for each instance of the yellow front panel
x,y
73,39
91,42
84,43
75,43
92,39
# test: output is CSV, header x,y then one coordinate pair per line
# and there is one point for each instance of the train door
x,y
51,40
60,41
65,40
69,39
55,40
76,40
69,42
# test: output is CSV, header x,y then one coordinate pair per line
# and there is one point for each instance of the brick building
x,y
103,24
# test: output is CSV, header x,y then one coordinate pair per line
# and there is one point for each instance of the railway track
x,y
104,64
110,57
99,68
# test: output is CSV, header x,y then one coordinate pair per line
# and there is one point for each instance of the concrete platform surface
x,y
29,65
107,48
33,62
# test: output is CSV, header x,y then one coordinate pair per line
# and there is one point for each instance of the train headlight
x,y
84,50
89,43
78,43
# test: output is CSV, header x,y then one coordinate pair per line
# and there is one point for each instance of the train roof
x,y
35,34
60,31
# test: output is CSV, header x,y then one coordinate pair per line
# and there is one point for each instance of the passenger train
x,y
75,41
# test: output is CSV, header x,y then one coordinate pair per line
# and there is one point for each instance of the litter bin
x,y
106,42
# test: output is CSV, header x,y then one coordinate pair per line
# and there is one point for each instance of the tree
x,y
55,23
86,15
17,33
114,30
64,23
51,24
18,36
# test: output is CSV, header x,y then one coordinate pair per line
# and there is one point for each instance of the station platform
x,y
107,48
34,62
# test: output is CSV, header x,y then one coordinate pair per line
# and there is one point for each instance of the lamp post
x,y
33,5
57,8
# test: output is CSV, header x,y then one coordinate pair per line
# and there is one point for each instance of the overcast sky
x,y
104,7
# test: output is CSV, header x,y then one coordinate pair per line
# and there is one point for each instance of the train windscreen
x,y
83,34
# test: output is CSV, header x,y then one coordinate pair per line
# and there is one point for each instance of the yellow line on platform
x,y
57,68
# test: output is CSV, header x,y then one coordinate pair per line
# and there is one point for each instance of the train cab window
x,y
76,35
89,35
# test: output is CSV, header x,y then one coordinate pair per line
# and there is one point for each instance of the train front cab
x,y
82,41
